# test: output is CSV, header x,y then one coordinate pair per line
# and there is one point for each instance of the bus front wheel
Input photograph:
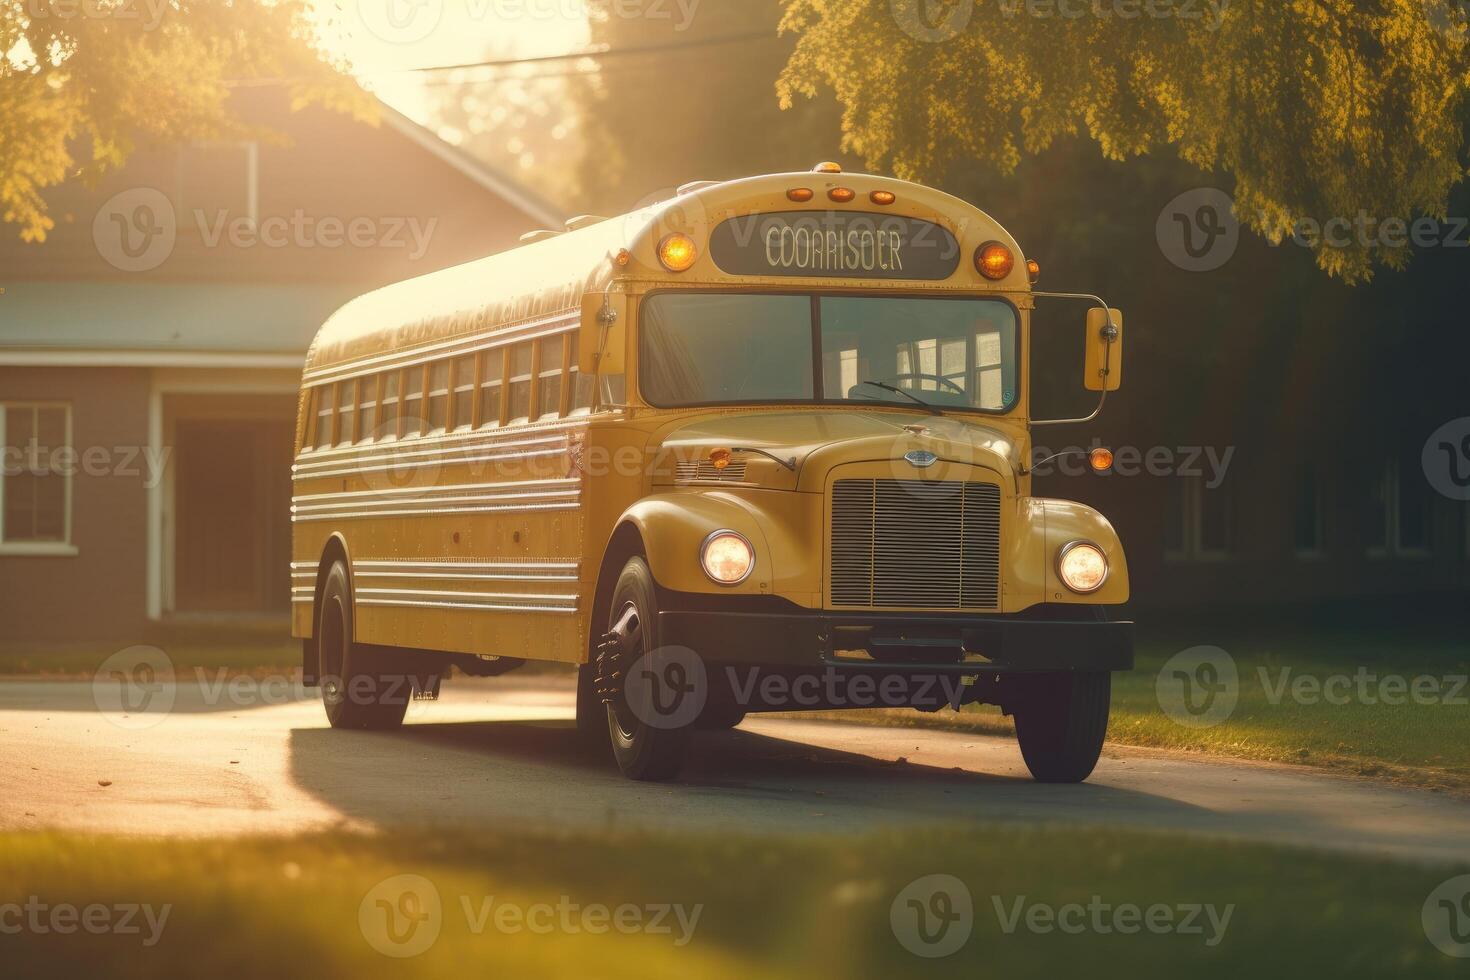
x,y
643,751
360,689
1061,721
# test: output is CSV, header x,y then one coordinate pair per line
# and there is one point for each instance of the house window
x,y
1309,525
549,372
1198,520
35,481
438,396
520,383
464,391
1399,513
492,374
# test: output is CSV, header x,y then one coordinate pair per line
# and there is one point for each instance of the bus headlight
x,y
1082,567
727,557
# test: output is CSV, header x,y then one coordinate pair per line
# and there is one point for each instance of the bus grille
x,y
921,544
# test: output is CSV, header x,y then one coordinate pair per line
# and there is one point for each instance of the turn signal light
x,y
800,194
994,261
882,197
677,252
841,194
1100,459
719,458
1033,270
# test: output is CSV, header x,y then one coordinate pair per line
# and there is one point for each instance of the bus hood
x,y
806,445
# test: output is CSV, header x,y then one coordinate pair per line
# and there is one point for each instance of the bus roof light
x,y
841,194
883,197
800,194
827,167
994,261
677,252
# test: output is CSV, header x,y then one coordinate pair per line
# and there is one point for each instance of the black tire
x,y
360,687
1061,721
642,751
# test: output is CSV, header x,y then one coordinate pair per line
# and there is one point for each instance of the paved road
x,y
502,752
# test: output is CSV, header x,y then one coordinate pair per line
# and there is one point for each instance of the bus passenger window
x,y
549,370
464,391
492,370
346,409
520,383
438,396
391,410
581,386
413,400
367,403
323,436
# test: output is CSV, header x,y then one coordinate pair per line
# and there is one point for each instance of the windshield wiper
x,y
899,391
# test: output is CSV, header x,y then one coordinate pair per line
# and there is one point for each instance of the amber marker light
x,y
994,261
1033,270
719,458
1100,459
623,257
800,194
827,167
884,198
677,252
841,194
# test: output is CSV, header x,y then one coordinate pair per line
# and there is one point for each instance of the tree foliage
x,y
83,82
1317,109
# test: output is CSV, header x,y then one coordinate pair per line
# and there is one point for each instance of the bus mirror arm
x,y
1109,334
790,463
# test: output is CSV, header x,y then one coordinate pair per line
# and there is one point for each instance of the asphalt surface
x,y
502,753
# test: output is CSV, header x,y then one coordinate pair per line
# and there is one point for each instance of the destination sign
x,y
837,244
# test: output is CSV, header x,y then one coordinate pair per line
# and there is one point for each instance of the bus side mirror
x,y
1103,370
604,330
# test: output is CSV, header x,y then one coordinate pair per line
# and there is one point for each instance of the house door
x,y
232,499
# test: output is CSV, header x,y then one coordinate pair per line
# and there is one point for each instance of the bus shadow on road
x,y
539,773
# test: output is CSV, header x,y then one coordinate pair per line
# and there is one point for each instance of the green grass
x,y
798,907
1423,744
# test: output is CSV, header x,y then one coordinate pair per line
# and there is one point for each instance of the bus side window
x,y
346,409
464,391
581,387
391,411
413,400
520,383
549,368
367,403
322,399
438,396
492,372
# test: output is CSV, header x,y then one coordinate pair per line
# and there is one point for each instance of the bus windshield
x,y
730,348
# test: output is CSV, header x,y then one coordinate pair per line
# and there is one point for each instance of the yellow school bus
x,y
762,446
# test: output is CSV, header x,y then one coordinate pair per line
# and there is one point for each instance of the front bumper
x,y
991,644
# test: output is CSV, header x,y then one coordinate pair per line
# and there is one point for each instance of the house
x,y
151,351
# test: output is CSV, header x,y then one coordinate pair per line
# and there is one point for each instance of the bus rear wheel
x,y
1061,721
360,689
644,752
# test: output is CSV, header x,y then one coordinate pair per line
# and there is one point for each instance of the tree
x,y
83,82
1318,109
